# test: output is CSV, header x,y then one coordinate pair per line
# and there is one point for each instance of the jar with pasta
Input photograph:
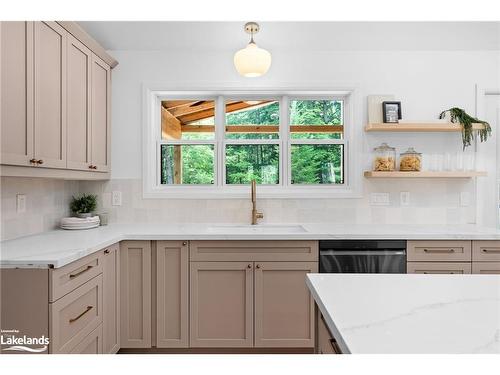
x,y
385,158
410,161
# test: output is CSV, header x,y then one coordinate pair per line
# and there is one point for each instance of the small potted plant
x,y
84,205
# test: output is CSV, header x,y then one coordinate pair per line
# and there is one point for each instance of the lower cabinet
x,y
486,268
111,297
92,344
284,308
135,294
439,267
221,296
172,281
326,342
251,304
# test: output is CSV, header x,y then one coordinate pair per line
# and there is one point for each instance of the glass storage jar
x,y
385,158
410,161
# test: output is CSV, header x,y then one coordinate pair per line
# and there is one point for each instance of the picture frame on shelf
x,y
391,112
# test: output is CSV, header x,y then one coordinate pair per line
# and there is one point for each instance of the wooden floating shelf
x,y
420,127
425,174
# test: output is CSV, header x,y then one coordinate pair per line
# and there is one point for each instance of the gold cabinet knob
x,y
249,266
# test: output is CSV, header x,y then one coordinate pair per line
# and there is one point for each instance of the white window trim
x,y
154,94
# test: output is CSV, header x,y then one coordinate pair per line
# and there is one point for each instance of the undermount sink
x,y
244,229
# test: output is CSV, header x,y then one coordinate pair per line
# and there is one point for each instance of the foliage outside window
x,y
254,140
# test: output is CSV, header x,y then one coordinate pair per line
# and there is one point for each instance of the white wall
x,y
425,81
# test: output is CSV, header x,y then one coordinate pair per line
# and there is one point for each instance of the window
x,y
316,137
217,144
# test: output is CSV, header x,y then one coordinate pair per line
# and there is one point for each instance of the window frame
x,y
152,187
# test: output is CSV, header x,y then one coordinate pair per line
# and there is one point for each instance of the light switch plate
x,y
116,198
380,199
21,203
404,198
464,199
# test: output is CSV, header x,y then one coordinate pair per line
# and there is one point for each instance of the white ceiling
x,y
312,36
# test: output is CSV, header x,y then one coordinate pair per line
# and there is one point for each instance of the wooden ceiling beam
x,y
206,113
264,129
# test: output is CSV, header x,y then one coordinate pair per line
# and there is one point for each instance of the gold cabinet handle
x,y
33,161
73,275
184,243
490,250
72,320
257,266
439,250
39,162
335,346
249,266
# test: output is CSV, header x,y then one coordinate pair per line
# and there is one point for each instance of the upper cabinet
x,y
79,61
55,101
101,131
16,88
50,95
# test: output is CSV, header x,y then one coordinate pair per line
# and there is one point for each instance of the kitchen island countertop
x,y
400,313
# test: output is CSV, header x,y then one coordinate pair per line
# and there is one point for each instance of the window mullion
x,y
284,138
220,115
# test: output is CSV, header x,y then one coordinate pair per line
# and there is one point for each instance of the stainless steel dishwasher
x,y
362,256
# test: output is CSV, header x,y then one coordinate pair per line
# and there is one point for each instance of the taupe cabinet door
x,y
135,294
79,105
172,281
50,95
111,296
221,304
101,117
16,92
284,307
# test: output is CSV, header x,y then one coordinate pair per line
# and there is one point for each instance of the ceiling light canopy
x,y
252,61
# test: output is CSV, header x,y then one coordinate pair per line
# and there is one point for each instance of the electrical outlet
x,y
116,198
21,203
380,199
464,199
404,198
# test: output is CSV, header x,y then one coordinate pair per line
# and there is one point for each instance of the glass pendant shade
x,y
252,61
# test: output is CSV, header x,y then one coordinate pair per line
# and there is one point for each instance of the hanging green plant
x,y
459,116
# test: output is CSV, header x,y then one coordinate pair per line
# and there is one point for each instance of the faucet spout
x,y
255,214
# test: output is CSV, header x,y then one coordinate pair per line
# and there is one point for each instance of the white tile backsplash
x,y
438,204
47,200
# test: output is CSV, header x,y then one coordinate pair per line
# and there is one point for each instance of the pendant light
x,y
252,61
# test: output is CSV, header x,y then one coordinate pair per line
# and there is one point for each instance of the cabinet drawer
x,y
92,344
326,343
229,251
486,251
65,279
439,267
486,268
74,316
445,251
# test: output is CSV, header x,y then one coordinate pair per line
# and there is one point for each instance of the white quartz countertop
x,y
60,247
400,313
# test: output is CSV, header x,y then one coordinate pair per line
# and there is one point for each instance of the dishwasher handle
x,y
363,252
